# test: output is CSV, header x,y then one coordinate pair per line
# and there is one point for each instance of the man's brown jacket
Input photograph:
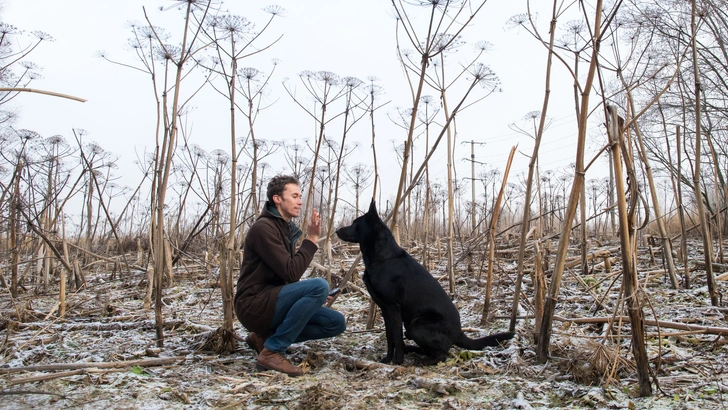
x,y
269,262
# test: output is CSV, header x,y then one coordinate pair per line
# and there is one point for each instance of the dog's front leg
x,y
388,326
395,341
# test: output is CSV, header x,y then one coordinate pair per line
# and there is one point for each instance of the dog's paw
x,y
427,361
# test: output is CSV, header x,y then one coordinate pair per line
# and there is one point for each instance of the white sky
x,y
349,38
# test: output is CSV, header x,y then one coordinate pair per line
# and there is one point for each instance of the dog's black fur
x,y
408,294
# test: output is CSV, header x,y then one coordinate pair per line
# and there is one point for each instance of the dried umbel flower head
x,y
42,36
275,10
532,115
56,141
447,42
168,52
437,3
94,148
220,156
484,76
518,20
328,77
191,4
249,73
483,46
27,135
352,82
233,25
6,29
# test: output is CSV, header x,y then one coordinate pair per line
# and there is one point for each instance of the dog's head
x,y
364,228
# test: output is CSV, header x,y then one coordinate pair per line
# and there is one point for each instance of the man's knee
x,y
335,323
340,325
319,287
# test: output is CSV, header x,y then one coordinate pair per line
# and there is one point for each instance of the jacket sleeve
x,y
269,244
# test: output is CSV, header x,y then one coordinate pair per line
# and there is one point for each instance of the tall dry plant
x,y
373,91
633,74
446,20
438,79
352,100
94,182
325,88
544,337
620,149
427,116
14,221
491,238
175,61
703,220
233,38
691,103
532,163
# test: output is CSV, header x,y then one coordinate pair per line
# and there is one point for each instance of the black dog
x,y
408,294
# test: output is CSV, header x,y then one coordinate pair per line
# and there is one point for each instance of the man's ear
x,y
277,199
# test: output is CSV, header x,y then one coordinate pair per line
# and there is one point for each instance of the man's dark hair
x,y
277,184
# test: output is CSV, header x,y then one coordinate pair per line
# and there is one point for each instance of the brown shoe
x,y
268,360
255,342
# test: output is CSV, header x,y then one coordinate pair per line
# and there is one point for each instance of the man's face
x,y
289,202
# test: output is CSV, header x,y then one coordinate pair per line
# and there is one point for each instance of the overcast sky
x,y
349,38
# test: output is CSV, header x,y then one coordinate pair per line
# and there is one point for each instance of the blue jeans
x,y
300,315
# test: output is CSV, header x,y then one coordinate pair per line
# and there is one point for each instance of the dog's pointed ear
x,y
373,207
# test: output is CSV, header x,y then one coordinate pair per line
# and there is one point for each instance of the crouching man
x,y
271,301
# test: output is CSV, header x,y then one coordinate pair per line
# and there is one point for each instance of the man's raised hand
x,y
314,226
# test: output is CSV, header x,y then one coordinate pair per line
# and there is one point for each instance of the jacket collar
x,y
270,211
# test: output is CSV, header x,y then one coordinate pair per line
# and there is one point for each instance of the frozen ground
x,y
106,324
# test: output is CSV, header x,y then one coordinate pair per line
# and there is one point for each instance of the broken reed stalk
x,y
688,328
492,230
642,152
51,376
629,274
157,361
35,90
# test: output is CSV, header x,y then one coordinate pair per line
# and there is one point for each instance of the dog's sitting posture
x,y
408,294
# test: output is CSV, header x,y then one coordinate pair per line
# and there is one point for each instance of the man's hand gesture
x,y
314,226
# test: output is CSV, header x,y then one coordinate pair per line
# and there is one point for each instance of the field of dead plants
x,y
102,353
121,296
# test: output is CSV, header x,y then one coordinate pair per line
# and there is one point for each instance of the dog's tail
x,y
478,344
